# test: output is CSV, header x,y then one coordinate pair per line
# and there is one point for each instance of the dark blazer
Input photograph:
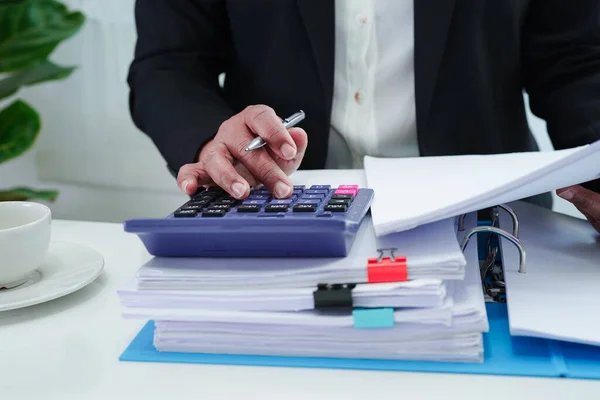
x,y
473,59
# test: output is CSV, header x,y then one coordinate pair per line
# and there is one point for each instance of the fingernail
x,y
567,195
238,189
186,183
288,151
282,190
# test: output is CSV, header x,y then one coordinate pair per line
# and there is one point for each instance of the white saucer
x,y
68,267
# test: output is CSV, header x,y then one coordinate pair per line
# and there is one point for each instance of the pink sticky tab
x,y
348,187
346,191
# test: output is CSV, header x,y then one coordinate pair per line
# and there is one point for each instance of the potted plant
x,y
30,30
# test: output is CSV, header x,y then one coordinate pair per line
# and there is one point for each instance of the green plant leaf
x,y
19,127
38,73
31,30
24,194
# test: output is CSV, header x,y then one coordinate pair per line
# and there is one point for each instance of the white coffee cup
x,y
24,240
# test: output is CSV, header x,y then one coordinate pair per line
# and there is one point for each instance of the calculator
x,y
315,221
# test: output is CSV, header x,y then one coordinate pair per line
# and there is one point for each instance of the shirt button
x,y
361,19
358,97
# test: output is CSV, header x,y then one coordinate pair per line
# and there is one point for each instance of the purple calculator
x,y
316,221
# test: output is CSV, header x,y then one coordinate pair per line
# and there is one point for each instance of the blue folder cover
x,y
504,355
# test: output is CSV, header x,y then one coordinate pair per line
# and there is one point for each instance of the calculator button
x,y
282,201
297,193
316,187
258,202
345,202
228,202
262,191
185,213
336,207
305,208
204,197
213,213
299,187
342,197
248,208
322,192
318,197
309,201
259,197
192,207
215,189
351,192
271,208
202,203
223,207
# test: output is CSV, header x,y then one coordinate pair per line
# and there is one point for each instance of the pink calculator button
x,y
350,187
347,191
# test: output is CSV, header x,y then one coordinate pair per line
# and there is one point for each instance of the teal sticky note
x,y
366,318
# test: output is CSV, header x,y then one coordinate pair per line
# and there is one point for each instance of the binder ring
x,y
506,235
392,251
461,222
514,217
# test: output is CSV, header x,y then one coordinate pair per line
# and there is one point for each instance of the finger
x,y
266,171
585,200
259,164
290,166
222,172
190,177
247,175
263,121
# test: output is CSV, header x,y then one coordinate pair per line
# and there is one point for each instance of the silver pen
x,y
290,121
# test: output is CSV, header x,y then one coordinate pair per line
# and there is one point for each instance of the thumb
x,y
299,137
585,200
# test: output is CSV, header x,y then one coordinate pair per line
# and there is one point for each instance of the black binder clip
x,y
334,297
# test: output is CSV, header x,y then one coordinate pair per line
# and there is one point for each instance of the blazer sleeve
x,y
175,98
561,70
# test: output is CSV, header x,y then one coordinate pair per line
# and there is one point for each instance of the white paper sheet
x,y
460,341
557,297
458,348
418,293
414,191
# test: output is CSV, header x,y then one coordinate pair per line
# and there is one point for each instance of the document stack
x,y
309,307
411,288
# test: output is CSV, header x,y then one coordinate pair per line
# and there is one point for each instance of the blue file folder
x,y
504,355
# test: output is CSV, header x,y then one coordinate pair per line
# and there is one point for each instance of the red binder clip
x,y
387,269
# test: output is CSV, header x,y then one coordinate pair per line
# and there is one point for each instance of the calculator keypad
x,y
319,200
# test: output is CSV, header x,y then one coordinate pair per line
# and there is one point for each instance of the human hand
x,y
225,162
586,201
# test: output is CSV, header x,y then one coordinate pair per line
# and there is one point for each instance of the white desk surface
x,y
69,348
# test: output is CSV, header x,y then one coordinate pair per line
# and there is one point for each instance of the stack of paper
x,y
451,331
443,187
266,306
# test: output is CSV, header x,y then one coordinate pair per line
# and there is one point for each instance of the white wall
x,y
88,141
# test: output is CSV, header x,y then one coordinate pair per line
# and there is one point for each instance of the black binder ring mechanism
x,y
492,229
513,215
